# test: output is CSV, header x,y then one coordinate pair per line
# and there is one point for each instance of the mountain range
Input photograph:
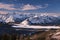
x,y
33,19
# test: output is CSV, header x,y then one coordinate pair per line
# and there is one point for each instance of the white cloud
x,y
41,6
7,6
28,7
3,12
22,8
32,7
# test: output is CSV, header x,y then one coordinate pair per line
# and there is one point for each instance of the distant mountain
x,y
12,18
44,20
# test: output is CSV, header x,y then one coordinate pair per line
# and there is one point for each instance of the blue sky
x,y
32,6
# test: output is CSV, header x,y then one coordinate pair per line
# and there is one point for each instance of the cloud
x,y
22,7
7,6
43,6
32,7
3,12
28,7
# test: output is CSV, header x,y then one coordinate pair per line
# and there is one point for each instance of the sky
x,y
30,6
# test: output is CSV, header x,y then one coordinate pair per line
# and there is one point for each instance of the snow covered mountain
x,y
12,18
42,19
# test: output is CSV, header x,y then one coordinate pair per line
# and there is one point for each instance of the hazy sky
x,y
50,6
